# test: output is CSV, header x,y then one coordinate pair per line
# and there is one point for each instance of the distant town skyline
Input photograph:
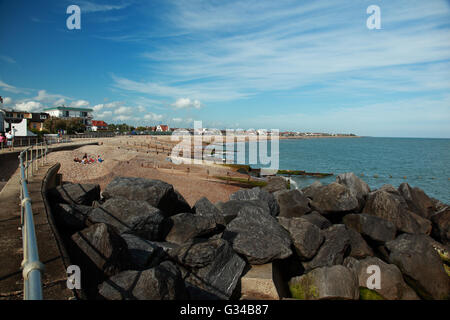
x,y
308,66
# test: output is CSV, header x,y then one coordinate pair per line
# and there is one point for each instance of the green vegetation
x,y
367,294
237,166
243,181
39,133
303,289
52,125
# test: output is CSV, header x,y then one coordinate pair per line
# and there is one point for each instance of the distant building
x,y
98,125
63,112
23,120
162,128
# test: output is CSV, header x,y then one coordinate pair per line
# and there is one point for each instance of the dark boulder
x,y
334,249
359,247
317,219
275,183
213,268
376,229
388,204
357,187
157,193
162,282
421,265
391,286
293,203
258,236
186,226
258,194
131,216
71,217
144,254
312,189
75,193
306,237
334,198
102,249
203,207
231,208
417,200
441,225
334,282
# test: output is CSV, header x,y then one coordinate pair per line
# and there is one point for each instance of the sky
x,y
311,66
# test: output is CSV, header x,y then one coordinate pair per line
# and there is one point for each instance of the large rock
x,y
263,282
186,226
71,217
335,282
231,208
357,187
157,193
312,189
132,216
75,193
258,194
258,236
162,282
214,267
421,265
204,207
334,249
275,183
102,249
317,219
359,247
306,237
417,200
334,198
390,205
376,229
441,225
293,203
144,254
392,286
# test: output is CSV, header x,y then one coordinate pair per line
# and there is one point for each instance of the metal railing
x,y
32,267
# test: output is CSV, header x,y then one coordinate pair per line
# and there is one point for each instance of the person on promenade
x,y
10,140
2,140
99,159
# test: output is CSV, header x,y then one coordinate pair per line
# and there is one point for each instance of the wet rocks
x,y
335,282
157,193
416,258
75,193
373,227
293,203
131,216
258,236
334,198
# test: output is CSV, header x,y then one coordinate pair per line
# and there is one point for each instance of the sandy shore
x,y
136,157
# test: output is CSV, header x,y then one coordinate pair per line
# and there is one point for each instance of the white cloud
x,y
153,116
177,119
123,110
183,103
122,118
7,101
79,103
59,102
88,7
46,97
9,88
29,106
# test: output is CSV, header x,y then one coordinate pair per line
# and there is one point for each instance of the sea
x,y
421,162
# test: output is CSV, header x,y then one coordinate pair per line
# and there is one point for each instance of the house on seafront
x,y
63,112
22,121
162,128
99,125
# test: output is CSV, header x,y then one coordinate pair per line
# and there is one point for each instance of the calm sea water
x,y
423,163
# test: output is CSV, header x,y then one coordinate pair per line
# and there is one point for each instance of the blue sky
x,y
288,65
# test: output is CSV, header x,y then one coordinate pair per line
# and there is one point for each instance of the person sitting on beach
x,y
91,160
99,159
76,159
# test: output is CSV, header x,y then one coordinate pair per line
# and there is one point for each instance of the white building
x,y
64,112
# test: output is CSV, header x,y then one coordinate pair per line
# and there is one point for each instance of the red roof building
x,y
99,125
